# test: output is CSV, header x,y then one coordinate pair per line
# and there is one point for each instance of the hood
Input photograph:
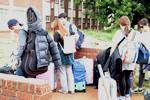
x,y
33,19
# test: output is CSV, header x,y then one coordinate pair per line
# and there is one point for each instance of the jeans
x,y
19,72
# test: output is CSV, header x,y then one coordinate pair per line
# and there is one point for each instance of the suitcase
x,y
79,73
96,74
89,70
50,76
107,89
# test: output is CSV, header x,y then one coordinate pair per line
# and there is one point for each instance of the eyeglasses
x,y
141,26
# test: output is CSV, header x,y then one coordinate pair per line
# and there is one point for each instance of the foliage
x,y
103,10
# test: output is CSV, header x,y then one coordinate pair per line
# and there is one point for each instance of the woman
x,y
65,72
144,39
127,68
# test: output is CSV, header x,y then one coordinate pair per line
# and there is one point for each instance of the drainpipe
x,y
11,9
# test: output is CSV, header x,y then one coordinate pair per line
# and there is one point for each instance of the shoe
x,y
61,91
72,92
121,98
137,90
128,97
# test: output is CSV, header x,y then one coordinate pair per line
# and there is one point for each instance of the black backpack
x,y
29,58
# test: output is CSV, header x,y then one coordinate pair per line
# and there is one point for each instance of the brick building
x,y
49,9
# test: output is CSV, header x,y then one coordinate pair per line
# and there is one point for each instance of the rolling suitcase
x,y
96,74
79,73
50,76
107,89
89,70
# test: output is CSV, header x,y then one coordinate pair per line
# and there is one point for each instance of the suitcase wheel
x,y
84,90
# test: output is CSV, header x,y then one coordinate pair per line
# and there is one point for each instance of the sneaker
x,y
72,92
137,90
61,91
128,97
121,98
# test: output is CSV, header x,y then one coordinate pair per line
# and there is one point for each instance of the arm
x,y
21,47
54,52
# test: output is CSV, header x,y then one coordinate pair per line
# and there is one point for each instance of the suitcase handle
x,y
103,81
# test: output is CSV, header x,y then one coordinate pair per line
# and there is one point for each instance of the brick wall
x,y
4,2
88,52
14,87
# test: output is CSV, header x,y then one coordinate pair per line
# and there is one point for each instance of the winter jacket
x,y
44,45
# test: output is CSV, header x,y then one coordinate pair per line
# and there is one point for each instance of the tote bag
x,y
69,44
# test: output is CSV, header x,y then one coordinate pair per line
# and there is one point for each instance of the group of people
x,y
127,68
61,28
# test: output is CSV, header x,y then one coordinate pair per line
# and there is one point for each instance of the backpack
x,y
29,58
129,50
81,37
7,69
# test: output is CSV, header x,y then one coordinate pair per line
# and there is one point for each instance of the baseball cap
x,y
13,21
62,15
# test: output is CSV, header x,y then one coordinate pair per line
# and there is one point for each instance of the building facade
x,y
49,10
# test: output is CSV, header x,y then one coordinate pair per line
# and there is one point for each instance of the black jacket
x,y
113,62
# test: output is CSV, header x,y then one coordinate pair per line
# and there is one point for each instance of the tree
x,y
103,10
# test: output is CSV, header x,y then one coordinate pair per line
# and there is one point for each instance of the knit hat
x,y
62,15
13,21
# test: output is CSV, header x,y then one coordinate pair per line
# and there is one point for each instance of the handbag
x,y
129,50
143,55
69,44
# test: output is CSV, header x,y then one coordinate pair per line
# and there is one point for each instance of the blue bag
x,y
79,71
81,37
143,55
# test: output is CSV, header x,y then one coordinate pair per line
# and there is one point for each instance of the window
x,y
83,20
69,19
62,3
74,5
95,22
52,5
88,21
3,19
79,21
69,3
80,7
51,24
47,18
73,20
56,1
85,24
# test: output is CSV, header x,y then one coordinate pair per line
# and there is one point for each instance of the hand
x,y
14,64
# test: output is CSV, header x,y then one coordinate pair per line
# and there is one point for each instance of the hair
x,y
124,21
144,22
57,25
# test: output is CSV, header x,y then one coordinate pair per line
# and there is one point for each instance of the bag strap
x,y
70,27
133,36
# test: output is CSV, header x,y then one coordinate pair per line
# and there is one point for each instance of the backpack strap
x,y
70,27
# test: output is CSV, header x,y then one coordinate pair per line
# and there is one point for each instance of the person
x,y
17,27
65,72
67,24
127,68
144,39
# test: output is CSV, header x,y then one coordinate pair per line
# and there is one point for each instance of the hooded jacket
x,y
44,45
